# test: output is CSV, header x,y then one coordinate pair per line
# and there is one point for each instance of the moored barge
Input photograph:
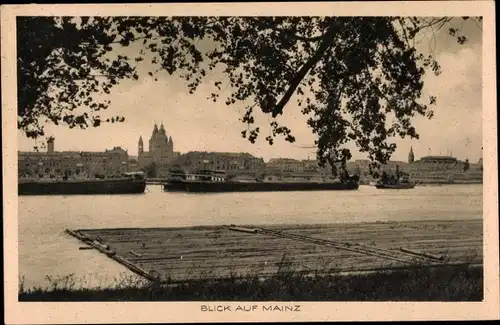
x,y
128,183
399,186
213,181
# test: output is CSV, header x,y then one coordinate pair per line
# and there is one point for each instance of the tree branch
x,y
77,79
400,21
300,37
327,40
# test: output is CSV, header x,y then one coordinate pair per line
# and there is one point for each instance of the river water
x,y
45,251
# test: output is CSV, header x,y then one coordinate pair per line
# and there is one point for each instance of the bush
x,y
444,283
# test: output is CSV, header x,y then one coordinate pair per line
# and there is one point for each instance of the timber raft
x,y
176,255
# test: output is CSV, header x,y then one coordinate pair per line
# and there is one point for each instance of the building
x,y
231,162
55,164
133,165
294,166
37,164
361,167
104,163
160,151
288,165
311,166
438,160
285,165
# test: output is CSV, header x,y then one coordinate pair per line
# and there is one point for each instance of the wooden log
x,y
241,229
134,268
100,245
74,234
85,247
134,253
112,254
431,256
79,236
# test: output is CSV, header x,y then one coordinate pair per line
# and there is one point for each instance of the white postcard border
x,y
154,312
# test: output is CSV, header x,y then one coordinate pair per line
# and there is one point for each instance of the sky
x,y
195,123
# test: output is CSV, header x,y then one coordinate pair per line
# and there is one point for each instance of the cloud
x,y
457,124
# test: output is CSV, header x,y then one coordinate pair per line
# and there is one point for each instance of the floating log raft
x,y
182,254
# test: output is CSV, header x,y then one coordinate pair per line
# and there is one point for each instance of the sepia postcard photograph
x,y
218,162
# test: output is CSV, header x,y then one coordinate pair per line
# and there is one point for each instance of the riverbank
x,y
444,283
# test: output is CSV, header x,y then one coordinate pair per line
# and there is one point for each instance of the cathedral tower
x,y
161,148
170,146
152,140
140,148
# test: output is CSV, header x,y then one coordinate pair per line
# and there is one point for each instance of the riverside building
x,y
55,164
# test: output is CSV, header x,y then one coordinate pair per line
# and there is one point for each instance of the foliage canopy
x,y
358,79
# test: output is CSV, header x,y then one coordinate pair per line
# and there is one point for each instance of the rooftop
x,y
438,158
227,154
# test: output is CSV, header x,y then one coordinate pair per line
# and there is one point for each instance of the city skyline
x,y
46,149
198,124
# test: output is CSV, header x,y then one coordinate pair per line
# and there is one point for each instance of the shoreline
x,y
458,283
289,225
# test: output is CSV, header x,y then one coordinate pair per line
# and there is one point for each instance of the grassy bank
x,y
449,283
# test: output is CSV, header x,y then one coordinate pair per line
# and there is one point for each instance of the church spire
x,y
162,129
411,156
140,146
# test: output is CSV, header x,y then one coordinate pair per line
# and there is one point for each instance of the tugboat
x,y
205,181
400,181
126,183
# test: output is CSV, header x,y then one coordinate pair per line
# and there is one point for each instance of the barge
x,y
213,181
128,183
400,186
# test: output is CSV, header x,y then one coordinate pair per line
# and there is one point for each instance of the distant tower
x,y
411,156
50,145
152,140
141,146
170,146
